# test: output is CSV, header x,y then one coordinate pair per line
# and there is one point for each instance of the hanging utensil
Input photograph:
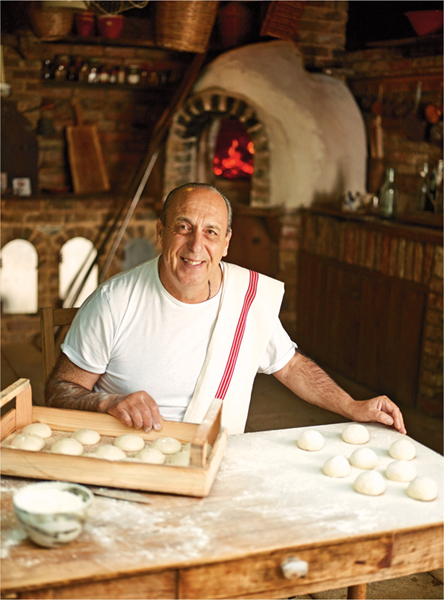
x,y
433,112
415,126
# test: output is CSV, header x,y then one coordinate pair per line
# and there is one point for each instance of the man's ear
x,y
227,243
159,231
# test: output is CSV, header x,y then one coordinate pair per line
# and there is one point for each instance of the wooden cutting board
x,y
86,161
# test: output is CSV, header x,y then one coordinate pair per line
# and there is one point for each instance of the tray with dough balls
x,y
97,449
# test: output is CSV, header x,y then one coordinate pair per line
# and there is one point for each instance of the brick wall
x,y
48,224
124,115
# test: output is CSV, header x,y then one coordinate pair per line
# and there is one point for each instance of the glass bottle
x,y
388,195
423,188
61,70
47,69
133,77
94,75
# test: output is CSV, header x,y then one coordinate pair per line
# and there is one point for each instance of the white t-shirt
x,y
138,337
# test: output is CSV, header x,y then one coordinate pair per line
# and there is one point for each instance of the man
x,y
162,340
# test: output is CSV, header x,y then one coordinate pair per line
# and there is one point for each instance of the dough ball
x,y
129,442
28,441
337,466
311,440
87,437
41,429
355,434
67,446
167,445
110,452
370,483
181,459
423,488
402,450
364,458
151,456
401,470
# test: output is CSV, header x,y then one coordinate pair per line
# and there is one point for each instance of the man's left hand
x,y
378,410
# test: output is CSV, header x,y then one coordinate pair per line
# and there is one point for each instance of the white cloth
x,y
134,334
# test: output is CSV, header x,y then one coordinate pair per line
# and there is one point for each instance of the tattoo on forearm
x,y
64,394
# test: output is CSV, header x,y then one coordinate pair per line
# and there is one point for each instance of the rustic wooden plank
x,y
264,573
154,586
13,390
257,509
8,424
23,407
62,419
206,433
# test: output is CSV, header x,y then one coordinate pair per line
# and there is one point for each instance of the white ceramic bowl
x,y
52,513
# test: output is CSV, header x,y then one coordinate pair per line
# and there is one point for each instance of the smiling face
x,y
193,241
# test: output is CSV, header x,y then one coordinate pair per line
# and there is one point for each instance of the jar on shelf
x,y
84,71
61,67
133,77
113,73
74,68
94,73
121,75
47,69
388,195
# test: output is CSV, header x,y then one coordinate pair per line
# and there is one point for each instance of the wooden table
x,y
270,501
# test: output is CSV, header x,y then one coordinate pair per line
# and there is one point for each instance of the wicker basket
x,y
185,25
51,23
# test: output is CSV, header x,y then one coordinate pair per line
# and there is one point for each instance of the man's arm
x,y
309,382
69,386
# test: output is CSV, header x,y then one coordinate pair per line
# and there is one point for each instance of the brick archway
x,y
198,112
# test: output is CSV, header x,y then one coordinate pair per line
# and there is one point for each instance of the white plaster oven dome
x,y
315,130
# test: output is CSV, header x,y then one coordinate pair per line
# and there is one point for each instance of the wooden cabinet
x,y
365,325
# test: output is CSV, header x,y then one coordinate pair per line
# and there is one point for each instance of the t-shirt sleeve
x,y
279,351
89,341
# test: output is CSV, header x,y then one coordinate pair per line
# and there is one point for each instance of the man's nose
x,y
195,241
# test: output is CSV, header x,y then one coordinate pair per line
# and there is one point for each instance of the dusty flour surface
x,y
265,483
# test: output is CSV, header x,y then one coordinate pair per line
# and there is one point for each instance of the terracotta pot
x,y
425,22
110,26
234,24
85,23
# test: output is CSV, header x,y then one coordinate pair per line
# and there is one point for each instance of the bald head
x,y
188,187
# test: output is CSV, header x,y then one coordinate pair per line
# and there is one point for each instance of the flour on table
x,y
41,429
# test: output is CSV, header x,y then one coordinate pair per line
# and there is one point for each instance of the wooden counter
x,y
370,302
270,501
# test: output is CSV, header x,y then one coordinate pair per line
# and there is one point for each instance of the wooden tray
x,y
195,480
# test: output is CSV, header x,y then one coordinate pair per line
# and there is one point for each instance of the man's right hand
x,y
71,387
138,410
